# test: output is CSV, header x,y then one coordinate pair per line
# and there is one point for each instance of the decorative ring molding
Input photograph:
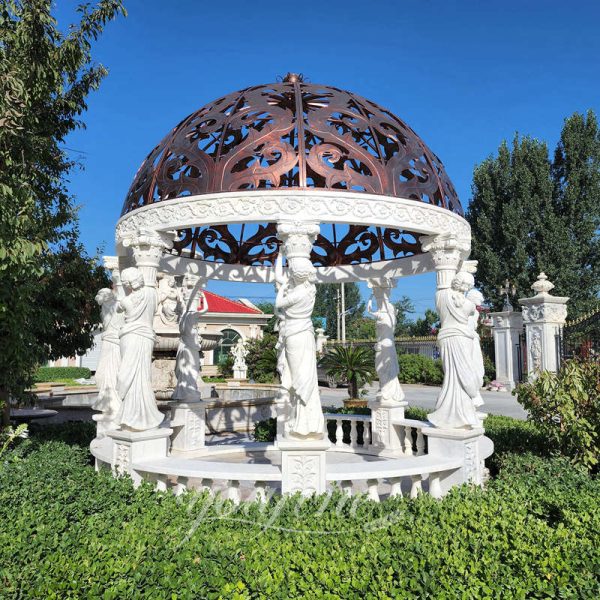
x,y
376,271
302,205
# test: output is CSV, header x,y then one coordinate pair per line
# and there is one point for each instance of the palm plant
x,y
355,364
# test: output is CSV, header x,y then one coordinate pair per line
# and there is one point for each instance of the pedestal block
x,y
133,446
507,328
384,435
303,466
188,421
240,372
457,443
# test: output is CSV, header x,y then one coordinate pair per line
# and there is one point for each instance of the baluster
x,y
366,434
435,489
161,482
409,441
420,443
339,433
260,492
206,485
402,439
181,486
396,486
233,491
372,493
347,487
416,487
353,434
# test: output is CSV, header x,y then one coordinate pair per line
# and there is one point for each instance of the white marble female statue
x,y
386,359
134,385
455,407
239,354
476,297
108,401
169,299
295,302
187,361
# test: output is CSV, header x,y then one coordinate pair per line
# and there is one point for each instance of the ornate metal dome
x,y
293,135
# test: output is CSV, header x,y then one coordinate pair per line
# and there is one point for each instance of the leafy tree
x,y
404,307
426,325
46,304
362,328
326,306
354,364
269,309
530,214
262,359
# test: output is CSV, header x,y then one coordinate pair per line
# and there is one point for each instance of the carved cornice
x,y
301,205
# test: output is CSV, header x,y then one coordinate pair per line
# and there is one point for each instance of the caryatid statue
x,y
476,297
386,359
187,361
294,303
108,400
456,405
134,384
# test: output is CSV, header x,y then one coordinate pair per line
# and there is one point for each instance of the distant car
x,y
330,380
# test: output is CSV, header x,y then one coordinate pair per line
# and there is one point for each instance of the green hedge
x,y
68,532
44,374
417,368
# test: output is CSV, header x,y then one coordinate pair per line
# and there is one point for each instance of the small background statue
x,y
187,361
294,303
108,365
169,301
455,407
134,385
386,359
239,353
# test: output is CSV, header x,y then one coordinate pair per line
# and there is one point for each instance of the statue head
x,y
463,281
132,278
105,296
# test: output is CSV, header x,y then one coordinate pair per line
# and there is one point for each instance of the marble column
x,y
507,327
544,316
304,443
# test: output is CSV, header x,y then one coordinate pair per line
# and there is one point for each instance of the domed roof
x,y
296,135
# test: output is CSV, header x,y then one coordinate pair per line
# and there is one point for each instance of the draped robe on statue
x,y
299,373
139,410
108,366
455,406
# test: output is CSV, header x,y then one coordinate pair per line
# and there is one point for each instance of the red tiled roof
x,y
220,304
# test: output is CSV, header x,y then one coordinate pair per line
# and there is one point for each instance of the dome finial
x,y
293,78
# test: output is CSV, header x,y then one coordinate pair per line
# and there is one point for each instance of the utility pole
x,y
343,314
337,313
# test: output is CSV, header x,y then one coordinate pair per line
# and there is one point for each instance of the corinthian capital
x,y
447,250
297,237
148,245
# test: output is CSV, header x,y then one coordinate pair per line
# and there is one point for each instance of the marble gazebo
x,y
294,184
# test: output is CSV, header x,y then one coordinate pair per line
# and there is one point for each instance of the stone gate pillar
x,y
544,316
507,327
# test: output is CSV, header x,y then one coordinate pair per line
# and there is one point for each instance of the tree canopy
x,y
48,281
530,213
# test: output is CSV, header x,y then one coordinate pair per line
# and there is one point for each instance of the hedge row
x,y
68,532
45,374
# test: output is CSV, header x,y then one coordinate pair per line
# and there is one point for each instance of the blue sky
x,y
465,75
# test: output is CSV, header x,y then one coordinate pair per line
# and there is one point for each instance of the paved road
x,y
424,396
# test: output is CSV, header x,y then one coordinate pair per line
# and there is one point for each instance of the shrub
x,y
265,431
417,368
262,359
68,532
566,407
225,366
45,374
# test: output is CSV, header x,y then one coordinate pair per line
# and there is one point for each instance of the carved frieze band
x,y
545,312
310,206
